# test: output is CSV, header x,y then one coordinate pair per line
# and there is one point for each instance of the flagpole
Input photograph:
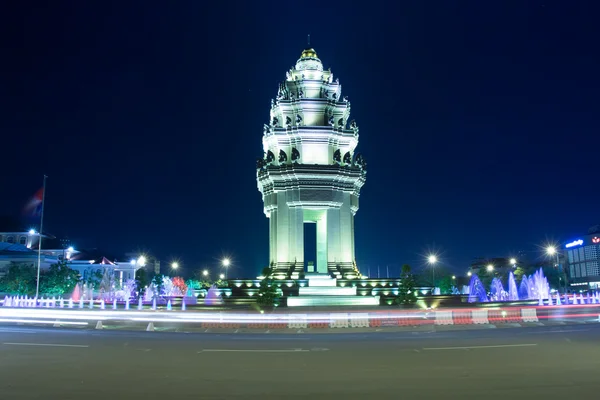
x,y
37,288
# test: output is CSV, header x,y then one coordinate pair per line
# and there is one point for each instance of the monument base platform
x,y
311,301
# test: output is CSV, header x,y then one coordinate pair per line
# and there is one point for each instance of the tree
x,y
58,280
268,293
406,290
142,280
158,282
19,280
445,284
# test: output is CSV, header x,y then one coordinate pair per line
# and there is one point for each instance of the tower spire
x,y
308,40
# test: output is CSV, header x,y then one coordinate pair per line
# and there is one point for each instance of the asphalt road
x,y
527,363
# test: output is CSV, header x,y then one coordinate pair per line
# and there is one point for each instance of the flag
x,y
34,206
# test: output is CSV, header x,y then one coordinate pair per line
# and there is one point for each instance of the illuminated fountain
x,y
477,292
524,289
213,296
497,291
513,293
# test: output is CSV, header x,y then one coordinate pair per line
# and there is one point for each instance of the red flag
x,y
34,206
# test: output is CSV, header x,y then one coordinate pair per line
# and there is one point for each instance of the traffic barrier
x,y
462,317
504,316
480,317
529,315
277,325
359,320
252,325
318,324
297,321
443,318
338,320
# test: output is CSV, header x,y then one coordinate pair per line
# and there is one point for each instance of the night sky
x,y
479,121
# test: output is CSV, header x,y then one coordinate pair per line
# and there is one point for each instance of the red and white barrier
x,y
443,318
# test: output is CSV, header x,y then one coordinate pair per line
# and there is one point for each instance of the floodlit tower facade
x,y
310,172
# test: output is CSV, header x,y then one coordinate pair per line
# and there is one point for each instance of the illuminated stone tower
x,y
310,172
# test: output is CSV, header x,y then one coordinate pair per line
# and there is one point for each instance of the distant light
x,y
70,249
32,231
133,262
550,250
490,267
432,259
469,273
513,261
175,265
453,276
141,261
226,262
572,244
205,272
222,276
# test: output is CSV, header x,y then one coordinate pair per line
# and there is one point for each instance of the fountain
x,y
169,307
140,304
183,304
558,303
497,291
91,303
115,303
513,293
71,303
524,290
102,307
154,303
127,303
213,296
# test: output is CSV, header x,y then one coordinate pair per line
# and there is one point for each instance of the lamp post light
x,y
553,252
175,265
221,276
469,273
490,268
432,259
205,272
513,262
225,263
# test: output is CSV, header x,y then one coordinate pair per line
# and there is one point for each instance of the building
x,y
583,259
19,246
310,172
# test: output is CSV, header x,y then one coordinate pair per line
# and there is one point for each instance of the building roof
x,y
14,248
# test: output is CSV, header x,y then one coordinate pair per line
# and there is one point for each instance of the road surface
x,y
559,362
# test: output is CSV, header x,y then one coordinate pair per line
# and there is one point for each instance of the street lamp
x,y
141,261
205,272
551,251
226,262
490,267
432,259
469,273
513,262
453,277
222,276
175,265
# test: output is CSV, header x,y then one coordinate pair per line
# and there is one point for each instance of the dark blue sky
x,y
479,121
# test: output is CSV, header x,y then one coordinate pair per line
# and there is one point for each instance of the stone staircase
x,y
322,290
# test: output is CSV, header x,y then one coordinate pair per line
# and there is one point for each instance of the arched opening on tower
x,y
310,246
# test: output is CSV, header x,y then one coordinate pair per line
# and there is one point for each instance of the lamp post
x,y
553,252
225,263
432,259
